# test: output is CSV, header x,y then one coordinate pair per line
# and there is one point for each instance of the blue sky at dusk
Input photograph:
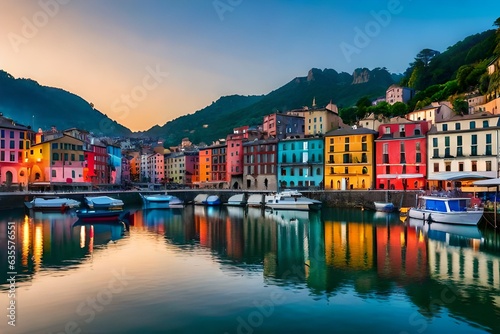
x,y
204,49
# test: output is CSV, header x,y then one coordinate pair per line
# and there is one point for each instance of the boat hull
x,y
98,215
459,218
162,202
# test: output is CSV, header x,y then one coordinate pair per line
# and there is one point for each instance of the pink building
x,y
235,156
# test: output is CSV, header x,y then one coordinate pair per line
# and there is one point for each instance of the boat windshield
x,y
435,205
458,205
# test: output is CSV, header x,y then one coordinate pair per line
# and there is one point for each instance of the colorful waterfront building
x,y
15,141
467,143
259,164
57,158
350,159
300,163
401,161
320,121
235,156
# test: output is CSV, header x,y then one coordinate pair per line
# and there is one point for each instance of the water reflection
x,y
375,255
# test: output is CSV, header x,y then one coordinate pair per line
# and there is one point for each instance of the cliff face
x,y
360,75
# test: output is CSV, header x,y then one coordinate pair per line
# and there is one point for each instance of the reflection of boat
x,y
52,204
291,200
237,200
205,199
159,201
467,231
100,215
449,210
287,216
384,206
255,200
104,202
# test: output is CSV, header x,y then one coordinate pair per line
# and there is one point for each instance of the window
x,y
54,173
457,126
434,142
474,166
485,124
488,166
436,167
447,166
460,166
385,153
445,127
472,124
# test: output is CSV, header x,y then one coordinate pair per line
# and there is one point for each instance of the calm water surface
x,y
230,270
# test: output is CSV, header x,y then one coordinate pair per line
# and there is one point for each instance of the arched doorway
x,y
8,178
235,185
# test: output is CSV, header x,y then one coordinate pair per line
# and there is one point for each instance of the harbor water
x,y
235,270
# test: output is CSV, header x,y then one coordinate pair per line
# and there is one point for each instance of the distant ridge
x,y
28,103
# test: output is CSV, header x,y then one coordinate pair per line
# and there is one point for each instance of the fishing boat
x,y
291,200
446,210
256,200
104,203
159,201
237,200
52,204
384,206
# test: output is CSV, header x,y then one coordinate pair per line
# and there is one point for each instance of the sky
x,y
145,62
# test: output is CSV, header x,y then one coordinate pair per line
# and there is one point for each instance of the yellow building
x,y
60,159
320,121
349,159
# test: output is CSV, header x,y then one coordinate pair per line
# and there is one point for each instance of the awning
x,y
459,176
399,176
487,183
387,176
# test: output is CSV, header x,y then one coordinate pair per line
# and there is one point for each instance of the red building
x,y
401,155
235,156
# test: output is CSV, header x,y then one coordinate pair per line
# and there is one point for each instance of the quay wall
x,y
331,198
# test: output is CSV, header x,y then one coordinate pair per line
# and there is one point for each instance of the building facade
x,y
300,163
401,162
259,164
350,159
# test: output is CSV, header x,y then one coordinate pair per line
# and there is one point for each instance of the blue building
x,y
300,163
114,164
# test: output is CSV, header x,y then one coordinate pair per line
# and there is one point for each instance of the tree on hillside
x,y
497,24
399,109
425,56
461,106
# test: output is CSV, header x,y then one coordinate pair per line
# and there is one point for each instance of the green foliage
x,y
460,106
399,109
349,115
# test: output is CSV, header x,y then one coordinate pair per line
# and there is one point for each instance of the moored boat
x,y
104,202
384,206
256,200
158,201
206,199
447,210
52,204
87,215
291,200
237,200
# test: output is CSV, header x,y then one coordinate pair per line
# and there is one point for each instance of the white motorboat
x,y
237,200
161,201
291,200
206,199
256,200
104,202
446,210
52,204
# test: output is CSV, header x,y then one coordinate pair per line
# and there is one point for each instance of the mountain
x,y
220,118
28,103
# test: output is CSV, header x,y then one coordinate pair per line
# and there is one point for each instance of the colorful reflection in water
x,y
214,266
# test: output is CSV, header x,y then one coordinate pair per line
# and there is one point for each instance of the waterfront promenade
x,y
330,198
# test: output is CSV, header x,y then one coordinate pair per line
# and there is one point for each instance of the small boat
x,y
291,200
256,200
86,215
159,201
384,206
447,210
205,199
104,202
52,204
237,200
